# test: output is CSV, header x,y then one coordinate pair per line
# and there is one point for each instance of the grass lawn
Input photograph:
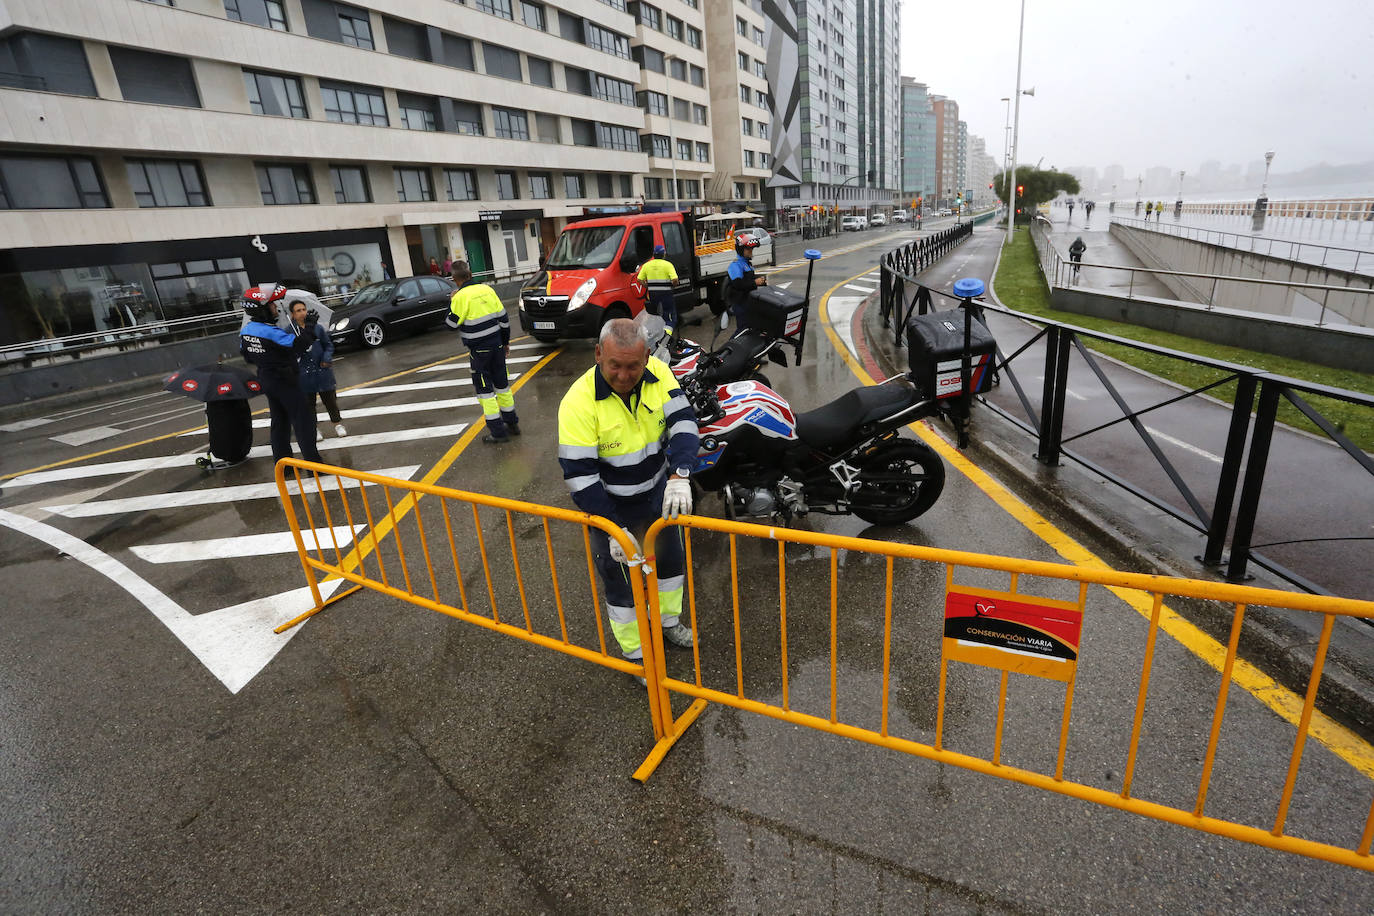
x,y
1021,286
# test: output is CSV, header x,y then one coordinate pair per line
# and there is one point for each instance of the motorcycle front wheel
x,y
898,483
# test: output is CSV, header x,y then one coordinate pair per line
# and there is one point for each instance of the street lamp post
x,y
1139,180
1006,136
1262,205
1178,204
835,190
1016,127
672,137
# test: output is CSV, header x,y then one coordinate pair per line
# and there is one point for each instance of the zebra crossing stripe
x,y
413,386
248,545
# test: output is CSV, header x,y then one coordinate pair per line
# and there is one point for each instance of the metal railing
x,y
1254,390
1290,250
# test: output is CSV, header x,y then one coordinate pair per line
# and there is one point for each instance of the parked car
x,y
879,220
851,223
900,216
383,309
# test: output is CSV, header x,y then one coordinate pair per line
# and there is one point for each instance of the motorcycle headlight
x,y
584,292
340,325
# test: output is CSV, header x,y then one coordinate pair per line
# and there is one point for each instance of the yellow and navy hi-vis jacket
x,y
658,275
616,456
481,317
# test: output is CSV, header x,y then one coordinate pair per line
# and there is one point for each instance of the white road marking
x,y
83,436
841,310
208,497
25,424
234,643
249,545
449,367
414,386
1186,446
862,289
106,469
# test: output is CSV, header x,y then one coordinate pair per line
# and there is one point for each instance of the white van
x,y
899,216
851,223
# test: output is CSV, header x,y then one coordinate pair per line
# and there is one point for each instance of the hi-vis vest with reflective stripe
x,y
658,274
612,454
481,317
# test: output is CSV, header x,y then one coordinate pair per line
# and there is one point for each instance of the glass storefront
x,y
336,270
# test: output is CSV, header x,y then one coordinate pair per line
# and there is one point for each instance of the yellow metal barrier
x,y
1019,616
387,559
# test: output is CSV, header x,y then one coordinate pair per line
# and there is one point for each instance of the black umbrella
x,y
214,383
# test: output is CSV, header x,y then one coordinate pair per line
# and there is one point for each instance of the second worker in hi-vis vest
x,y
627,439
480,317
658,276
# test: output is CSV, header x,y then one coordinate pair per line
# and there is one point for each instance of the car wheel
x,y
372,333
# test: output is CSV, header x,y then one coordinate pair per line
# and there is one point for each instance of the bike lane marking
x,y
1335,737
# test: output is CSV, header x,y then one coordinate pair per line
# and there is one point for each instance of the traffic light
x,y
1020,189
989,186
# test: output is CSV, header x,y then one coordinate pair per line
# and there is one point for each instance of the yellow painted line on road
x,y
364,545
1338,739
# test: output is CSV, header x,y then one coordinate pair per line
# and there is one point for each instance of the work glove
x,y
617,552
677,497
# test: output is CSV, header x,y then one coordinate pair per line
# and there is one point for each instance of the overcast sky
x,y
1161,82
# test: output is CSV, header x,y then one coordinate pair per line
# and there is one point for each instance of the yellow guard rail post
x,y
1012,629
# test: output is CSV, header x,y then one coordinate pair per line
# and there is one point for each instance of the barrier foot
x,y
684,722
315,610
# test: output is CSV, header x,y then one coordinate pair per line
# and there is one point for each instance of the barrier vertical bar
x,y
1001,719
1129,773
1368,836
1304,721
591,576
453,552
486,567
887,646
782,602
1219,711
519,579
834,632
739,646
424,546
553,576
294,524
372,532
396,533
692,602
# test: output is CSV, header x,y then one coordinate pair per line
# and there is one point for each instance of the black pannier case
x,y
777,311
935,346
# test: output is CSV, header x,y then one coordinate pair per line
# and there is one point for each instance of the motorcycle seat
x,y
735,355
839,422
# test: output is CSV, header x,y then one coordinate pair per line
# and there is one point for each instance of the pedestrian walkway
x,y
1109,252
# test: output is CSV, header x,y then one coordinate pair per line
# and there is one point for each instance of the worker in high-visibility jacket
x,y
627,441
478,314
658,276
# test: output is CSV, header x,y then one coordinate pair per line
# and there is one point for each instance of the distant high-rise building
x,y
980,169
948,161
741,110
961,182
1157,180
1115,176
918,141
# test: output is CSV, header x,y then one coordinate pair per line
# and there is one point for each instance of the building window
x,y
698,114
50,183
532,14
29,60
462,184
413,185
654,103
761,98
653,189
743,61
650,59
693,37
285,184
698,76
763,130
739,190
502,62
158,78
541,71
350,184
604,187
763,160
611,136
355,29
417,111
167,183
467,117
548,127
599,39
270,94
657,145
675,28
684,150
500,8
650,17
741,27
747,127
574,186
506,188
682,110
511,124
457,52
760,70
745,93
627,186
703,152
583,132
269,13
677,67
611,89
350,104
758,35
541,185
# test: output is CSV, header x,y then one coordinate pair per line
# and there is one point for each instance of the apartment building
x,y
949,159
160,156
740,101
918,143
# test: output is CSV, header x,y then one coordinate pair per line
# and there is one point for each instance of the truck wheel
x,y
618,310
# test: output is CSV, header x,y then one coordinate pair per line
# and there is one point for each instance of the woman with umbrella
x,y
275,353
317,373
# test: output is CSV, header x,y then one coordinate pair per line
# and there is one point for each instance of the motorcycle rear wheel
x,y
898,483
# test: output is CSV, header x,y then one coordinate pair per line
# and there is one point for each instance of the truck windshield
x,y
594,246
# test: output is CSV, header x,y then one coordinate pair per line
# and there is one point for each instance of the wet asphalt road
x,y
386,758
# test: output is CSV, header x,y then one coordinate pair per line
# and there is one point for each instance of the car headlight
x,y
340,325
584,292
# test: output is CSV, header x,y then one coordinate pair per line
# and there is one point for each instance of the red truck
x,y
590,277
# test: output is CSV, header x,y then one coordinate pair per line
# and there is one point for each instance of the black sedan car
x,y
384,309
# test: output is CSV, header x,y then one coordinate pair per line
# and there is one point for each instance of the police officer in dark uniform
x,y
276,353
742,280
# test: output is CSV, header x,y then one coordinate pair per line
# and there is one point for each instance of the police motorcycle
x,y
848,456
744,356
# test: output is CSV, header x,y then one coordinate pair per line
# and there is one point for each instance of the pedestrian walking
x,y
1071,211
1149,208
1088,212
317,367
1076,255
658,276
627,441
478,314
1159,209
276,354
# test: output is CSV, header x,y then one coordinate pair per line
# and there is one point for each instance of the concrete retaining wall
x,y
1168,252
1339,346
